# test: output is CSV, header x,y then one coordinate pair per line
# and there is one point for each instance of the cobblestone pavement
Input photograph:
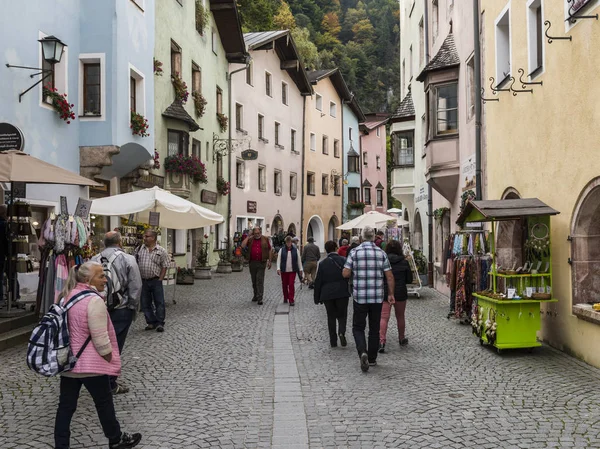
x,y
210,381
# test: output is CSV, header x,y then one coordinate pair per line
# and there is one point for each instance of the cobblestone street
x,y
223,375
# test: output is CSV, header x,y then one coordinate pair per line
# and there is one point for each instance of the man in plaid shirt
x,y
369,265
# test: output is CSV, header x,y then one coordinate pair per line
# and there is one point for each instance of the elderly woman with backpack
x,y
88,322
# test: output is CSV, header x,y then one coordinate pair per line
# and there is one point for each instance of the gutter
x,y
429,188
477,56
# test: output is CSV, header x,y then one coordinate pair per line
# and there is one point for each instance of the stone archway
x,y
316,230
277,225
510,237
585,235
417,242
331,228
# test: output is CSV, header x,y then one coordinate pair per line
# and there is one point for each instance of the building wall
x,y
374,145
254,101
351,129
326,210
541,144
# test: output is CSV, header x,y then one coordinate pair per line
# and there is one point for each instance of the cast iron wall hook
x,y
551,38
573,14
515,91
485,100
494,89
527,83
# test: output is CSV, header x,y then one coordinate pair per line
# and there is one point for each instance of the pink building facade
x,y
373,162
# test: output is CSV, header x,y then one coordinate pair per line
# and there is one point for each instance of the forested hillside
x,y
359,37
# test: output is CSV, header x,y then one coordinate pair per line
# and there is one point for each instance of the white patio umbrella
x,y
372,218
394,210
175,212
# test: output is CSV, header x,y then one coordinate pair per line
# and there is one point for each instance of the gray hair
x,y
344,242
355,239
112,238
77,274
368,233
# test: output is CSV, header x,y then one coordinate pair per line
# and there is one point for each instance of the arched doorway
x,y
292,229
417,242
277,225
585,235
316,230
510,238
331,228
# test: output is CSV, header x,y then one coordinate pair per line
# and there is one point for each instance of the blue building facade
x,y
353,116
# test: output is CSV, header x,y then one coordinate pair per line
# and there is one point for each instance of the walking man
x,y
153,261
259,256
130,281
310,257
368,265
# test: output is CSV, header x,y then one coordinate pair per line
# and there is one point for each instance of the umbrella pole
x,y
10,255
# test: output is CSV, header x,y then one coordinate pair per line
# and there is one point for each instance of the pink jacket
x,y
90,362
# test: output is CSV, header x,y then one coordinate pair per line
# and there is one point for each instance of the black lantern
x,y
52,49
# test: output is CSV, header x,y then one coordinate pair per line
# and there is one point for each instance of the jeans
x,y
257,273
359,323
99,389
121,320
386,309
153,302
337,313
287,282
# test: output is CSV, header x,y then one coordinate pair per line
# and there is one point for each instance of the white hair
x,y
368,233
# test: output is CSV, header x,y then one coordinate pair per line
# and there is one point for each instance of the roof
x,y
366,183
446,57
490,210
228,23
406,108
374,120
337,80
379,185
352,151
355,107
177,112
283,44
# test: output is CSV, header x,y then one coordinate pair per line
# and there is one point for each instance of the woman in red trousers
x,y
288,264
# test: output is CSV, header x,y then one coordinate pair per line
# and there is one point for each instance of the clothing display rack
x,y
413,289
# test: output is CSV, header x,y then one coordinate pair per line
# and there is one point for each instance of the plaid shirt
x,y
368,262
152,262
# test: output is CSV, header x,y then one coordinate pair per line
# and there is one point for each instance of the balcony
x,y
403,173
178,184
442,169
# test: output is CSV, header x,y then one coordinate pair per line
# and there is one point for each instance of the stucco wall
x,y
353,179
374,146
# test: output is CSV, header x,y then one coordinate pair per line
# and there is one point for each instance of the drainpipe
x,y
229,76
477,56
429,188
302,173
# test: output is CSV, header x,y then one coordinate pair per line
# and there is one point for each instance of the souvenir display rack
x,y
508,313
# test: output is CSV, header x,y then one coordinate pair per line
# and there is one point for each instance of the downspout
x,y
477,57
229,76
302,173
342,175
429,188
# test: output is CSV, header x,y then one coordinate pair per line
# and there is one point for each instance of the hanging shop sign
x,y
468,169
11,137
64,208
249,155
83,208
149,181
154,219
251,207
208,197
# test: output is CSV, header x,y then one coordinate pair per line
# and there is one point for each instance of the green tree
x,y
307,50
257,15
284,20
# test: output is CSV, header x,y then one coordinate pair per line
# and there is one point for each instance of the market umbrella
x,y
371,218
16,166
394,210
175,212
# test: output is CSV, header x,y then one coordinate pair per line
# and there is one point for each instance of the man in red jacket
x,y
258,254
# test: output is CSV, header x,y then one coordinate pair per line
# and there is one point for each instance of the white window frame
x,y
434,96
278,182
378,162
293,185
325,145
61,74
365,161
250,74
336,148
214,41
239,126
261,129
313,142
532,39
240,180
92,58
410,63
378,131
314,186
285,93
293,145
435,19
333,109
319,102
324,184
262,178
268,84
503,46
140,89
277,133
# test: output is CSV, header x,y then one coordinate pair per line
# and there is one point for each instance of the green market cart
x,y
508,315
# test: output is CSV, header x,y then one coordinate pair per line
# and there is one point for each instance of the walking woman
x,y
288,264
402,277
331,289
89,323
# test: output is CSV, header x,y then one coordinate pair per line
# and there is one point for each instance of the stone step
x,y
9,324
15,337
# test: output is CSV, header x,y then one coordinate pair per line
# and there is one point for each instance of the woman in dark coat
x,y
402,277
331,289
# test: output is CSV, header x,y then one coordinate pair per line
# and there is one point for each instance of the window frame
x,y
293,185
353,164
176,59
261,128
250,74
85,58
435,99
319,102
400,160
378,162
196,144
85,87
278,182
470,87
337,185
181,143
293,146
367,197
196,78
240,172
351,192
324,184
268,84
435,19
219,100
379,199
365,159
325,145
313,142
278,136
262,178
214,41
333,109
502,37
336,148
132,93
239,117
219,164
310,186
285,93
535,38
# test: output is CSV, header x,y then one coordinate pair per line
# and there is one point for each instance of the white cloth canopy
x,y
372,218
175,212
394,210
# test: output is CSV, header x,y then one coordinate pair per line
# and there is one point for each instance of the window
x,y
136,91
435,19
367,194
262,178
239,173
175,59
313,142
336,148
132,94
284,93
378,132
325,184
332,109
219,100
402,149
196,149
410,63
51,79
350,134
423,134
319,102
446,109
57,75
277,182
503,47
239,117
337,186
178,142
310,183
293,185
403,74
261,128
353,164
268,84
353,194
91,89
278,136
196,78
214,41
293,140
365,162
219,166
536,37
378,162
379,197
471,88
421,44
325,145
249,74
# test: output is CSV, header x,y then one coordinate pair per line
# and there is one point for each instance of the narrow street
x,y
228,373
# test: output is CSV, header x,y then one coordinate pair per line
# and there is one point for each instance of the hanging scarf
x,y
62,273
82,231
60,234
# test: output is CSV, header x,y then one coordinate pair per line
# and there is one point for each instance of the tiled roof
x,y
317,75
406,108
177,112
256,40
336,78
374,120
446,57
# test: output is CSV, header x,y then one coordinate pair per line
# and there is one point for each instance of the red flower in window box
x,y
139,124
59,103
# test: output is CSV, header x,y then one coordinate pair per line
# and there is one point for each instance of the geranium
x,y
158,71
181,92
60,103
139,124
199,103
223,186
188,165
156,160
222,118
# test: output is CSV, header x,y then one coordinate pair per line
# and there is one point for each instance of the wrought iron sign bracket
x,y
517,91
495,90
221,147
485,100
528,83
573,17
335,173
45,72
553,38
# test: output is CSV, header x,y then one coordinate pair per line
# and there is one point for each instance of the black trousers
x,y
337,314
121,320
99,389
257,273
362,312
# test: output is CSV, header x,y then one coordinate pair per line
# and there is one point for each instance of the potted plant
x,y
158,71
357,205
199,103
223,186
139,124
202,270
202,17
224,265
185,276
60,103
222,118
421,263
181,89
187,165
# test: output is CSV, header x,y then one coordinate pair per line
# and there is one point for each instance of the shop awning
x,y
504,210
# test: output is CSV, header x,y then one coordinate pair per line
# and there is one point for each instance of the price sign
x,y
548,289
529,291
154,219
511,293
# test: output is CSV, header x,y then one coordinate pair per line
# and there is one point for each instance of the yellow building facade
x,y
543,142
